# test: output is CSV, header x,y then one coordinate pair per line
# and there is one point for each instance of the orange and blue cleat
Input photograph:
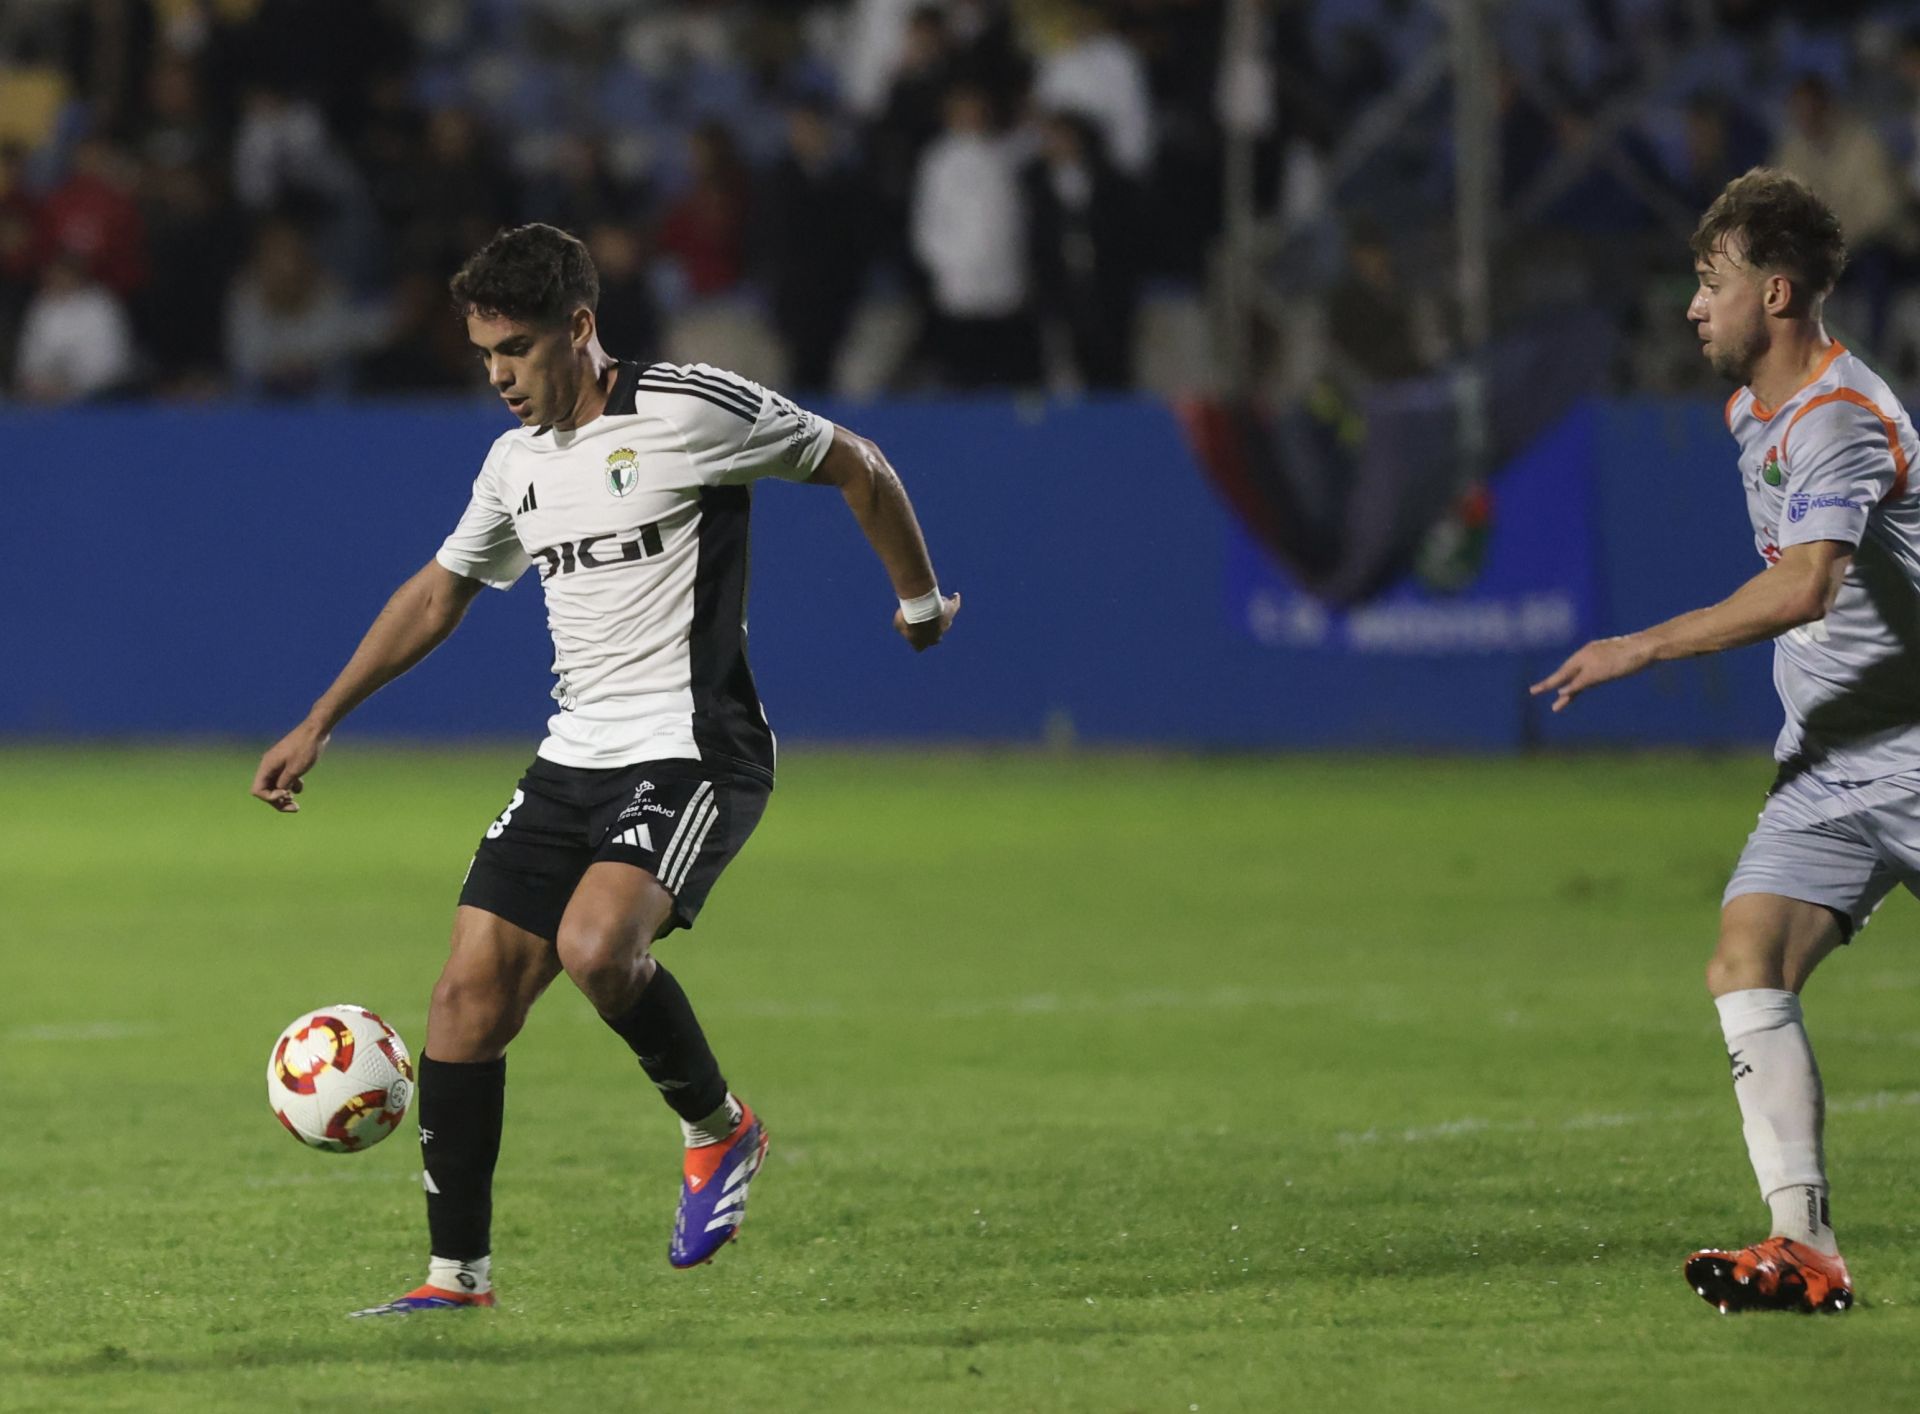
x,y
713,1191
428,1298
1776,1275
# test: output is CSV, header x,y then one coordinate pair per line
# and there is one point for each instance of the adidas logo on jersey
x,y
637,837
527,503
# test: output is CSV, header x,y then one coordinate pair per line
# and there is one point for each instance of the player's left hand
x,y
1602,660
928,632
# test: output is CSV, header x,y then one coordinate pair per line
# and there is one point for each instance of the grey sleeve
x,y
1840,465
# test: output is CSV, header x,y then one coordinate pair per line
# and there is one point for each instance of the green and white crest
x,y
622,472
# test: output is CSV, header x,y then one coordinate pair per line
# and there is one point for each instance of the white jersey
x,y
1832,463
638,522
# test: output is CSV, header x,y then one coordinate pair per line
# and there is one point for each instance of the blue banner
x,y
1535,588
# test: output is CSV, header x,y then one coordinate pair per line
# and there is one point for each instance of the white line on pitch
x,y
83,1031
1573,1124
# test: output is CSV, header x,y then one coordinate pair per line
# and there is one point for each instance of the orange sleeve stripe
x,y
1730,402
1848,395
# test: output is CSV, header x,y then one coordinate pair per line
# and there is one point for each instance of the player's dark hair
x,y
536,274
1781,225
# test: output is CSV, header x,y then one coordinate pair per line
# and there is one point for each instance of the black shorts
x,y
681,821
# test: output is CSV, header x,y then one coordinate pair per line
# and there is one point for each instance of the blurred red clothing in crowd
x,y
93,215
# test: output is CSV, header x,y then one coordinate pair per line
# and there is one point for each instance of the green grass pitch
x,y
1096,1083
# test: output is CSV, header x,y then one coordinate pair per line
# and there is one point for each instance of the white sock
x,y
474,1278
715,1128
1800,1212
1782,1107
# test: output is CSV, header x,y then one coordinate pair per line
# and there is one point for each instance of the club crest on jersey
x,y
622,471
1770,470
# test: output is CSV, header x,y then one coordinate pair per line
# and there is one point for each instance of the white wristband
x,y
923,609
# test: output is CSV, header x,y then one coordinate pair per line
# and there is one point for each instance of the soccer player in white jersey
x,y
627,487
1824,453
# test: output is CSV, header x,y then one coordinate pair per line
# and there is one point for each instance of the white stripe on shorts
x,y
685,866
695,815
701,792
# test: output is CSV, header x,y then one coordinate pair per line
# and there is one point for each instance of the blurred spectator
x,y
75,339
817,219
284,157
912,115
461,193
1721,143
1608,179
1841,157
178,316
578,190
1908,69
93,216
290,331
1100,75
282,149
1086,261
628,317
871,49
969,230
987,52
33,92
18,262
390,151
705,231
109,44
406,134
425,349
178,130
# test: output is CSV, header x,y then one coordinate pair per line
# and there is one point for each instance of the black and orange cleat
x,y
1776,1275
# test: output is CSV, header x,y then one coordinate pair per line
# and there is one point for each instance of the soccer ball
x,y
339,1078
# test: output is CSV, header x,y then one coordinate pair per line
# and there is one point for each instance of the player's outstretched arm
x,y
1796,590
879,503
415,621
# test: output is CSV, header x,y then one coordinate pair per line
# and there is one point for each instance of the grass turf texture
x,y
1095,1084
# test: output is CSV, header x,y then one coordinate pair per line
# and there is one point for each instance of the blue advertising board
x,y
204,571
1534,589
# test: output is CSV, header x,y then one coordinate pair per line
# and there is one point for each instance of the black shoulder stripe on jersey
x,y
710,374
687,391
746,396
620,400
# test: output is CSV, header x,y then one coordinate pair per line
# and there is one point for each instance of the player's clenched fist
x,y
279,778
1602,660
927,632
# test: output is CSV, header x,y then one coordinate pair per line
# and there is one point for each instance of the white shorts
x,y
1841,846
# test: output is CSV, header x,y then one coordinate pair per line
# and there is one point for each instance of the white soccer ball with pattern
x,y
340,1079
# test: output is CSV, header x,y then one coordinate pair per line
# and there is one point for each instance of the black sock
x,y
460,1108
673,1050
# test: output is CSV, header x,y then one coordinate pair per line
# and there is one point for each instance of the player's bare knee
x,y
608,963
472,1001
1742,960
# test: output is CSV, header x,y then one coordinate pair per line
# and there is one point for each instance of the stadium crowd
x,y
265,197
